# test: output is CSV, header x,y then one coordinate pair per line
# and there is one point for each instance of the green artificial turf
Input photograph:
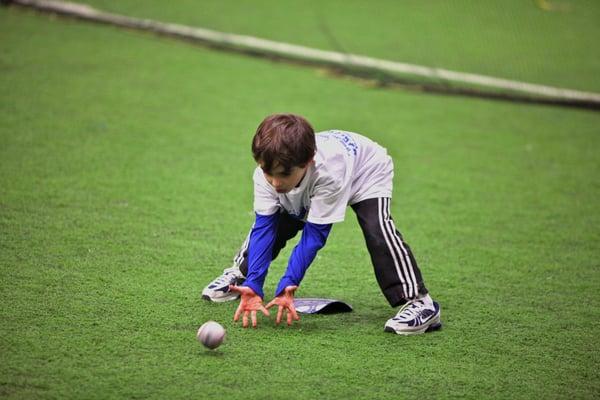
x,y
125,186
513,39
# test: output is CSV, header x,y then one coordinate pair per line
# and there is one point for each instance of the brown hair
x,y
285,140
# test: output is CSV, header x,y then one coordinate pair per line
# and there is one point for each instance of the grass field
x,y
125,186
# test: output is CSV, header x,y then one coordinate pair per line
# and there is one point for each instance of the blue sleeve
x,y
260,251
313,239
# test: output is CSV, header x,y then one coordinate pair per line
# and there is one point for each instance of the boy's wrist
x,y
283,283
255,287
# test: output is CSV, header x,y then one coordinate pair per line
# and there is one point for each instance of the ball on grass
x,y
211,334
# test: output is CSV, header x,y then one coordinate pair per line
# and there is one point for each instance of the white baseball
x,y
211,334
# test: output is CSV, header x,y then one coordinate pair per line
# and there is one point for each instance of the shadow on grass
x,y
216,353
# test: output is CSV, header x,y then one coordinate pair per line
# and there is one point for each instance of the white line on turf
x,y
287,50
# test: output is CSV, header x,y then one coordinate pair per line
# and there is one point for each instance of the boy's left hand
x,y
285,301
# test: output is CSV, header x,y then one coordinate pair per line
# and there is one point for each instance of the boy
x,y
305,182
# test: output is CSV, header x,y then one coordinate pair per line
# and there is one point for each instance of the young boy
x,y
305,182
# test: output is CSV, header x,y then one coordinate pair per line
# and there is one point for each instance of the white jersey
x,y
347,169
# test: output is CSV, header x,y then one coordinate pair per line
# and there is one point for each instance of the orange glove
x,y
285,301
250,302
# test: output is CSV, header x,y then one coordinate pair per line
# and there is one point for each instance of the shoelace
x,y
226,278
410,310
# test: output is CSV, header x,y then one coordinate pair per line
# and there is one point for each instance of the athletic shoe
x,y
417,316
218,290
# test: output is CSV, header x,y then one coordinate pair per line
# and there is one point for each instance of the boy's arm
x,y
260,251
313,239
262,235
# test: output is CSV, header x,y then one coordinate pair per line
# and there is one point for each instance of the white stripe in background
x,y
406,288
286,50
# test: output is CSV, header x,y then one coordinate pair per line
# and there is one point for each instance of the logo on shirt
x,y
346,141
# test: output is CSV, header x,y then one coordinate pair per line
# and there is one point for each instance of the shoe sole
x,y
220,299
431,328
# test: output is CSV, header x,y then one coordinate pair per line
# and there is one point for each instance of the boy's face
x,y
283,183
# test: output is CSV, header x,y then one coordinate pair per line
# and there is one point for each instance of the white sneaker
x,y
417,316
218,289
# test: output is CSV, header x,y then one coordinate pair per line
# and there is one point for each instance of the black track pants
x,y
395,267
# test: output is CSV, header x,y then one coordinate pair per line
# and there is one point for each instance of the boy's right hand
x,y
250,302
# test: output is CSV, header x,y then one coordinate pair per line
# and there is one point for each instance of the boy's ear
x,y
312,160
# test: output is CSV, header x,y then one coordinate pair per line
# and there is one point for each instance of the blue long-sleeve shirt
x,y
260,251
